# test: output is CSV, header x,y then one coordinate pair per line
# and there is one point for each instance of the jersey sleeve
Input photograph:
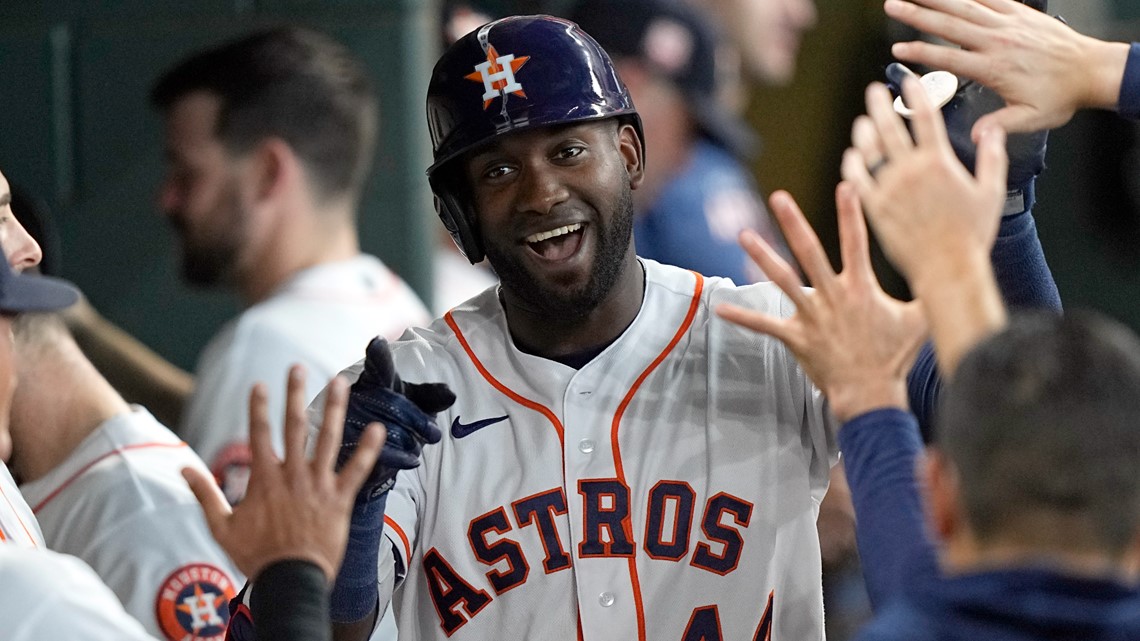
x,y
401,518
216,424
46,595
1025,281
1129,102
168,571
880,451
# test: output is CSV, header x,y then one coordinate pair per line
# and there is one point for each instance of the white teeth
x,y
544,235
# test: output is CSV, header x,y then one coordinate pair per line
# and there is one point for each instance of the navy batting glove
x,y
971,102
407,410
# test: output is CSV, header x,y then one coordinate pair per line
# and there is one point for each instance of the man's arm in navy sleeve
x,y
1025,281
880,451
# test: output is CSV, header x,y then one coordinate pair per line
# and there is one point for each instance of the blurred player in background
x,y
268,141
698,195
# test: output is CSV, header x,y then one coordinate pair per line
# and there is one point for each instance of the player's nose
x,y
540,189
23,251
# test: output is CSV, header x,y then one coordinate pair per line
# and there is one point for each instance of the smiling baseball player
x,y
619,462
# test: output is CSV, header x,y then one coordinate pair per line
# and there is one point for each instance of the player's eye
x,y
570,151
495,172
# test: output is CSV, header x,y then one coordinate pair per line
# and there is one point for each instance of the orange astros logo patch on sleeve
x,y
193,603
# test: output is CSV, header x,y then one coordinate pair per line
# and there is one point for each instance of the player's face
x,y
202,193
21,249
768,34
555,212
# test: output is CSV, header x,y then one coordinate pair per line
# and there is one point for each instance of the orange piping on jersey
x,y
403,537
685,324
114,452
521,400
18,519
511,394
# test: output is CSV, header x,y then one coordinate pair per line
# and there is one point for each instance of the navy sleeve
x,y
880,450
1022,274
1025,282
1129,103
291,603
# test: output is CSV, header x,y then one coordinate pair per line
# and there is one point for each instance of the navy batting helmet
x,y
509,75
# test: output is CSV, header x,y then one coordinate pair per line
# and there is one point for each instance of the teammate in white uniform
x,y
619,463
322,317
290,532
18,525
291,535
45,595
103,479
266,203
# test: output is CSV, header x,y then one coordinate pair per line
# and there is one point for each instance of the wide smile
x,y
558,244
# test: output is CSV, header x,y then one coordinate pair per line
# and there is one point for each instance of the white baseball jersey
x,y
323,318
44,595
668,489
17,524
120,503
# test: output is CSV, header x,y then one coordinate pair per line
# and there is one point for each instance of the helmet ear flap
x,y
458,220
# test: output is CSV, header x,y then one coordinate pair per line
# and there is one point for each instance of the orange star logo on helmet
x,y
497,74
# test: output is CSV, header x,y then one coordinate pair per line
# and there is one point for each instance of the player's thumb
x,y
210,497
993,161
1013,119
430,397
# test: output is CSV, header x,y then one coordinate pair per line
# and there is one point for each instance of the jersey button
x,y
606,599
585,446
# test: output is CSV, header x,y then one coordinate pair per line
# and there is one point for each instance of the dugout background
x,y
76,130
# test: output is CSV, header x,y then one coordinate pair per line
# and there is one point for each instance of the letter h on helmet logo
x,y
497,74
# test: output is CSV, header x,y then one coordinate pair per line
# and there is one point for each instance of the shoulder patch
x,y
193,603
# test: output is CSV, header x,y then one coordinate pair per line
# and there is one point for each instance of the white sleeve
x,y
168,571
45,595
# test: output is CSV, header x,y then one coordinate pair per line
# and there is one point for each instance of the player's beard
x,y
210,252
613,241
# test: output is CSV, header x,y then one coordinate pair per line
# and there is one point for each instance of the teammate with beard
x,y
620,462
265,202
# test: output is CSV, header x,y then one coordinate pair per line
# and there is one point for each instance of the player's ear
x,y
273,166
939,481
632,150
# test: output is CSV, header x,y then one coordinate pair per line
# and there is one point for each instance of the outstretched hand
x,y
297,508
1043,69
934,220
853,340
925,207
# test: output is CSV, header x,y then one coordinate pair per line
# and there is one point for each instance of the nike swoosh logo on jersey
x,y
460,430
